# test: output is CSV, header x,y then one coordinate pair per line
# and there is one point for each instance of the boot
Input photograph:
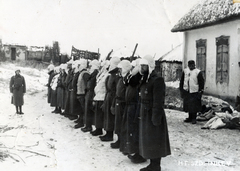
x,y
55,110
98,131
79,125
153,166
194,116
189,119
72,117
107,137
137,158
58,110
17,112
77,121
116,144
86,129
20,108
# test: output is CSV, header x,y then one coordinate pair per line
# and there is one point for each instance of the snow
x,y
40,140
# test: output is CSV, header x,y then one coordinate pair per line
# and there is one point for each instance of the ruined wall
x,y
171,71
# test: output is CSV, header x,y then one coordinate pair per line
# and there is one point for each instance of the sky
x,y
101,25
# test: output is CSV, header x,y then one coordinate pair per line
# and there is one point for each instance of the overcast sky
x,y
92,24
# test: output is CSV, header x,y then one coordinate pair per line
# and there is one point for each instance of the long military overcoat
x,y
111,82
153,135
17,88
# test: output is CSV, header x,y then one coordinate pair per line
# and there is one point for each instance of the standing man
x,y
100,93
51,75
91,83
17,88
191,88
153,131
109,101
81,91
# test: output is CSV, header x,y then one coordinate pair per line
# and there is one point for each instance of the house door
x,y
13,54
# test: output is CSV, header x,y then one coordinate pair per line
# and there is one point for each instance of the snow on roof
x,y
174,55
208,13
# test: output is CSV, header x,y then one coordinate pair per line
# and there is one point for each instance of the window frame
x,y
222,41
201,43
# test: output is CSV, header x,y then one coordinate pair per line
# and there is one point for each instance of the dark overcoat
x,y
68,88
53,101
51,75
89,111
153,130
109,100
61,90
17,88
120,105
130,123
75,107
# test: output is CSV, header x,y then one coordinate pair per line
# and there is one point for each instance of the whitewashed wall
x,y
210,33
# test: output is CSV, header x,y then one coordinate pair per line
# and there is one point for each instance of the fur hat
x,y
135,64
82,64
126,66
148,60
50,67
114,61
95,64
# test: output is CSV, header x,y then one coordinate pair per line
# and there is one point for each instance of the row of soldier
x,y
116,97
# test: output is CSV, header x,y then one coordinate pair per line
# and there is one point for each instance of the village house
x,y
169,65
212,38
14,52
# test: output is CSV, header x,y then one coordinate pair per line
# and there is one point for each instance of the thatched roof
x,y
175,55
208,13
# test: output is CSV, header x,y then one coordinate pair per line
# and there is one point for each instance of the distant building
x,y
14,52
212,38
169,65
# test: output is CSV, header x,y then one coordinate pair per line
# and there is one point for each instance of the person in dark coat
x,y
91,83
68,87
17,88
61,88
153,131
75,107
191,88
109,101
81,91
51,75
130,123
123,67
53,85
100,93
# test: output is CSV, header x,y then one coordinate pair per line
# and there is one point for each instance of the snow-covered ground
x,y
40,140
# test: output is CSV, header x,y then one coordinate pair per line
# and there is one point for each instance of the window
x,y
201,55
222,70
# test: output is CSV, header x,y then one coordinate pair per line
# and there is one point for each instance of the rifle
x,y
109,54
131,58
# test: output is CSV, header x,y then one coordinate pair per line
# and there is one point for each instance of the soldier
x,y
67,85
81,91
91,83
18,88
109,101
61,88
53,85
51,75
100,92
130,124
153,131
124,67
75,107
